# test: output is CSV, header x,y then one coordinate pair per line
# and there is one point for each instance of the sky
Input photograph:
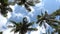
x,y
19,12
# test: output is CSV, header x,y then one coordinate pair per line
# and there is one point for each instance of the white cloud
x,y
19,14
8,31
3,22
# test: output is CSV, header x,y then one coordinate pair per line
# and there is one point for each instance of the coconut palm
x,y
22,27
57,13
50,19
4,6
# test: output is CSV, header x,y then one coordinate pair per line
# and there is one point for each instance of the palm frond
x,y
38,16
56,13
25,21
13,22
29,24
41,13
46,14
32,29
10,26
41,22
57,21
30,3
17,30
27,7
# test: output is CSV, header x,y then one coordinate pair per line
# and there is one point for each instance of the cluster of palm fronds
x,y
50,19
4,5
23,27
27,3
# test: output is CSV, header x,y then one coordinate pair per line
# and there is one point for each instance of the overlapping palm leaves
x,y
56,13
4,6
27,3
50,19
57,26
22,27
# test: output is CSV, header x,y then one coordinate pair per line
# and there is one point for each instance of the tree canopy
x,y
23,27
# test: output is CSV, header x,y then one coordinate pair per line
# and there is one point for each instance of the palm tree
x,y
4,7
57,26
22,27
50,19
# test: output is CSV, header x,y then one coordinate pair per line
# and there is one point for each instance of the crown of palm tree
x,y
50,19
22,27
26,3
47,17
4,7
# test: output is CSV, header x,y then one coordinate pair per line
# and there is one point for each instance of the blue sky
x,y
19,12
52,5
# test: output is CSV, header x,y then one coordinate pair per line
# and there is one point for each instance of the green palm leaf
x,y
32,29
41,22
30,3
56,13
14,22
29,24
